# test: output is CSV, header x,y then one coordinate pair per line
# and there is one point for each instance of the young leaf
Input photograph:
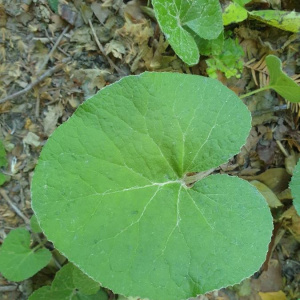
x,y
63,287
229,61
285,20
176,18
210,47
109,188
85,284
280,82
35,227
17,261
295,187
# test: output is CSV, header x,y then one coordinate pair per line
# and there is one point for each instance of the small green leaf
x,y
54,5
234,13
109,188
63,287
229,61
285,20
35,227
280,82
177,18
295,187
3,161
17,261
210,47
100,295
85,284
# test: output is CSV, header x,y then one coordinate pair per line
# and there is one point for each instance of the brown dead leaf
x,y
100,12
32,139
291,161
3,17
117,48
277,179
133,9
56,24
291,221
271,280
280,295
286,194
270,197
68,12
266,150
51,118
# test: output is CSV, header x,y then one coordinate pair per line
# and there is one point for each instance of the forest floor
x,y
60,60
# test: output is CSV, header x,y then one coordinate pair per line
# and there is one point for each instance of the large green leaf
x,y
19,262
64,287
109,191
295,187
280,82
176,18
285,20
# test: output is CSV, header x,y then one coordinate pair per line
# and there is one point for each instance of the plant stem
x,y
40,245
192,179
267,87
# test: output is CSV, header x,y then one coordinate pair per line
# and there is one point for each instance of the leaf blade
x,y
281,82
203,17
118,176
19,262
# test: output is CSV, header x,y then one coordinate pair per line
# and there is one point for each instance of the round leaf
x,y
63,287
17,261
177,18
109,192
83,283
280,82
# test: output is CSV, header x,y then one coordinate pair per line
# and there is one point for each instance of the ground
x,y
62,59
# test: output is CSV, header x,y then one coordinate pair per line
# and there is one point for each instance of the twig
x,y
112,64
283,150
36,82
51,42
13,206
194,178
53,49
8,288
270,110
37,106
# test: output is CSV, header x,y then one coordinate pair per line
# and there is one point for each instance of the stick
x,y
39,79
13,206
53,49
8,288
50,40
112,64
